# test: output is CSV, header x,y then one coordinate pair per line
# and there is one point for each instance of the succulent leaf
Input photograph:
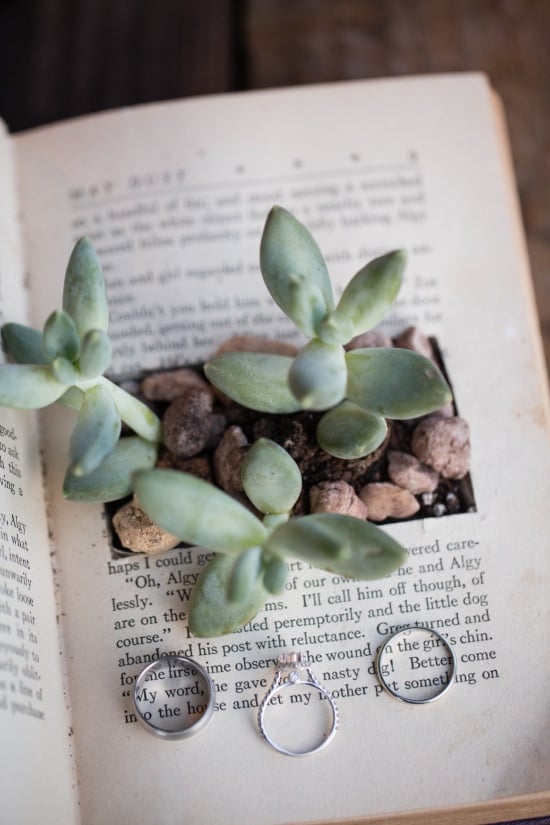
x,y
211,612
364,550
307,539
197,512
335,328
275,574
96,431
349,431
256,380
28,386
60,337
72,398
272,520
112,480
294,270
243,580
318,375
96,353
84,296
24,344
139,417
369,295
395,383
64,371
271,478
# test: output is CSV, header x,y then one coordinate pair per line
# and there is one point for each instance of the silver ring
x,y
174,697
292,661
403,656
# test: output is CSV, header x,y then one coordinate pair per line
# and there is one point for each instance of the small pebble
x,y
165,386
197,465
228,459
218,425
372,338
138,533
186,423
407,471
249,343
385,500
336,497
444,444
412,338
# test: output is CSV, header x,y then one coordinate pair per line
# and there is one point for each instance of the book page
x,y
34,724
174,197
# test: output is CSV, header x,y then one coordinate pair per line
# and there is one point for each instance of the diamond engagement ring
x,y
293,663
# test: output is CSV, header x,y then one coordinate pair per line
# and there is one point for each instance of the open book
x,y
174,197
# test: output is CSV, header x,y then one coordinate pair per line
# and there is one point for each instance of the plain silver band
x,y
201,722
408,699
277,686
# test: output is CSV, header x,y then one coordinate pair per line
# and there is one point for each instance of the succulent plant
x,y
358,389
250,555
65,362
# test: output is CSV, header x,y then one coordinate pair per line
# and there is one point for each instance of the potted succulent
x,y
352,393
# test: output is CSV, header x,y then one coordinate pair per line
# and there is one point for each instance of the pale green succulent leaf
x,y
95,354
84,295
275,575
60,338
369,295
395,383
256,380
24,344
211,612
197,512
294,270
335,328
112,480
307,539
73,398
318,375
137,415
349,431
271,478
243,581
364,550
28,386
96,432
272,520
64,371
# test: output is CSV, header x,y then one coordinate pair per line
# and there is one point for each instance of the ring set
x,y
174,696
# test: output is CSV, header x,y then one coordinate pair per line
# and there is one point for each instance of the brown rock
x,y
228,459
444,444
385,500
447,411
372,338
138,533
197,465
407,471
412,338
336,497
218,425
249,343
165,386
186,423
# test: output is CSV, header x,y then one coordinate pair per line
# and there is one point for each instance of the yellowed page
x,y
174,197
34,724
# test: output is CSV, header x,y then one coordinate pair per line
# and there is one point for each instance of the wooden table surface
x,y
62,58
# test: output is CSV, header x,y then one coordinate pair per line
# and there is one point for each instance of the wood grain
x,y
307,41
